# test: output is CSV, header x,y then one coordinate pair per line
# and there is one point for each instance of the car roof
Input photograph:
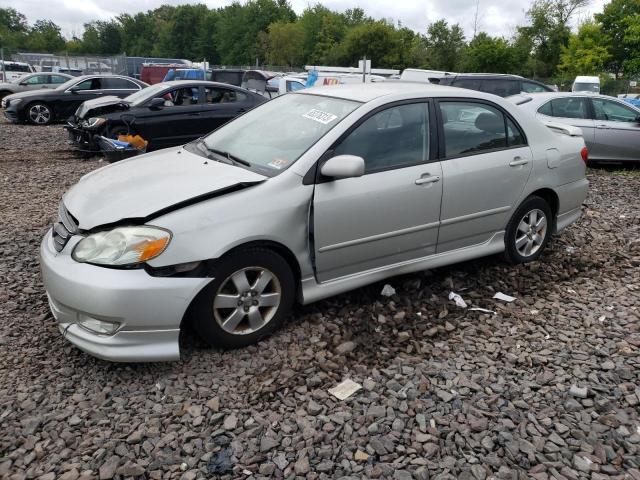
x,y
487,76
206,83
530,100
367,92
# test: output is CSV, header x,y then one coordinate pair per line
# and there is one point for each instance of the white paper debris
x,y
345,389
388,290
602,318
458,299
572,291
503,297
535,312
478,309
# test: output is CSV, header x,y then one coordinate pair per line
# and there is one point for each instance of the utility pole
x,y
475,19
364,69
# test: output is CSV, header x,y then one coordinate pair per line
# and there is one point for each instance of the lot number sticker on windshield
x,y
320,116
278,163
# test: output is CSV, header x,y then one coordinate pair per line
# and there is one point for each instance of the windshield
x,y
274,135
586,87
145,94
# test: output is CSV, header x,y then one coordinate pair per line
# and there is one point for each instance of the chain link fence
x,y
72,64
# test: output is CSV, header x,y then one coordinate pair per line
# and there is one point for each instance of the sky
x,y
497,17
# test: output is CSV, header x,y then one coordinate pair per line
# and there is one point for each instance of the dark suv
x,y
497,84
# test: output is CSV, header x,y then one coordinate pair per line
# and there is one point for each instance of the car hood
x,y
140,188
40,92
7,85
101,105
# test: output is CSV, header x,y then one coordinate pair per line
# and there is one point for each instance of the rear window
x,y
568,107
470,83
15,67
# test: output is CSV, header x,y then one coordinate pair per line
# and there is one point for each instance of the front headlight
x,y
122,246
94,122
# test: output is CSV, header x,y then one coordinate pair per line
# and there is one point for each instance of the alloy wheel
x,y
39,114
531,233
247,300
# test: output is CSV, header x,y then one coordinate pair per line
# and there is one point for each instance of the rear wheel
x,y
251,295
39,113
528,231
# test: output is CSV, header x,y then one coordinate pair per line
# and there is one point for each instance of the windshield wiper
x,y
232,158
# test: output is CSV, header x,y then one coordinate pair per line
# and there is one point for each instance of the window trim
x,y
505,114
317,178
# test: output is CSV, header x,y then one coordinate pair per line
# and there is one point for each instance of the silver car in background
x,y
610,127
306,196
33,81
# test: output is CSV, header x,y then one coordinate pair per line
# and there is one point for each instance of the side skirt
x,y
313,291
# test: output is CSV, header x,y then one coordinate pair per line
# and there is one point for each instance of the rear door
x,y
221,105
87,89
617,132
486,163
391,213
120,87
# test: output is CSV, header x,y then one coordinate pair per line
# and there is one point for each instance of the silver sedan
x,y
33,81
610,127
308,195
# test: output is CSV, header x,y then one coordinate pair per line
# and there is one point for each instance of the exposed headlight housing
x,y
94,122
13,101
122,246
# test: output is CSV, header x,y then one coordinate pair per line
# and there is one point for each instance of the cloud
x,y
497,17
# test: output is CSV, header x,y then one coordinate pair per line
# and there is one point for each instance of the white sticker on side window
x,y
320,116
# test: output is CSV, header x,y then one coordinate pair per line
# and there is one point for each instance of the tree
x,y
585,53
13,28
445,46
618,31
378,41
45,36
284,44
490,54
631,64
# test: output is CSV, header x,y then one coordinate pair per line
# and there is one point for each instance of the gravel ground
x,y
548,387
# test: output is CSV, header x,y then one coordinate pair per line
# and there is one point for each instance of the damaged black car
x,y
164,115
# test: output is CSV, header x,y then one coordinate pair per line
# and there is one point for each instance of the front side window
x,y
294,86
567,107
613,111
89,84
37,80
471,127
395,137
181,97
272,136
223,95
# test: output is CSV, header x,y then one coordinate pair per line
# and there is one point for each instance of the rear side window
x,y
58,79
568,107
500,87
392,138
89,84
532,87
118,84
181,97
37,80
470,83
471,127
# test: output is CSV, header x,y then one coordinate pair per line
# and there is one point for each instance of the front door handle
x,y
603,126
426,178
194,114
517,161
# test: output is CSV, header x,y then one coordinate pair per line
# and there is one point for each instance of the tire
x,y
224,313
528,231
4,93
39,113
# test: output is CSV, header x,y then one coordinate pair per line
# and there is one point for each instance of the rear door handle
x,y
517,161
426,178
194,114
603,126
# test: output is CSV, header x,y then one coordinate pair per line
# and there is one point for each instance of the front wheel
x,y
251,295
39,113
528,231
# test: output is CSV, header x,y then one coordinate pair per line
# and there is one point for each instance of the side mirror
x,y
74,89
156,103
343,166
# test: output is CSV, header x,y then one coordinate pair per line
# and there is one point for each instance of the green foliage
x,y
617,20
586,53
45,36
445,46
491,54
284,44
13,28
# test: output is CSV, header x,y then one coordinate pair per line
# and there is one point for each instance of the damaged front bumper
x,y
147,310
80,138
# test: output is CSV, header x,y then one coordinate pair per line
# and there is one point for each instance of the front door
x,y
485,166
391,213
617,134
221,105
